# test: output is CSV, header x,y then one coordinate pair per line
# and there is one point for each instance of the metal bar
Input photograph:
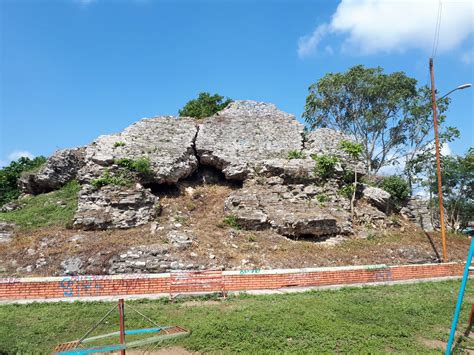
x,y
122,324
144,316
96,325
438,162
460,298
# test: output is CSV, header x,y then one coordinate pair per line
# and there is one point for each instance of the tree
x,y
386,113
10,174
354,150
204,106
458,189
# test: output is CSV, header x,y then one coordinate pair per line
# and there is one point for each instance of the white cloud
x,y
468,57
446,149
85,2
374,26
17,154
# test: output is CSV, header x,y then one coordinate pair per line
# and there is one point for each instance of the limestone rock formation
x,y
416,211
238,138
115,207
58,170
167,142
377,197
291,210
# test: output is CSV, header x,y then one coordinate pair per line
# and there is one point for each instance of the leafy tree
x,y
458,190
10,174
354,150
204,106
386,113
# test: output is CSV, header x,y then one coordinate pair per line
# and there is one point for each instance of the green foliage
x,y
119,144
53,208
325,165
10,174
322,198
108,179
397,187
204,106
231,221
141,165
296,154
398,318
252,238
347,191
386,113
352,148
458,189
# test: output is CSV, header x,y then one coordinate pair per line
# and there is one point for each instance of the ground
x,y
402,318
202,213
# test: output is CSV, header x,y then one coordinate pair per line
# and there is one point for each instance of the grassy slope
x,y
44,210
377,319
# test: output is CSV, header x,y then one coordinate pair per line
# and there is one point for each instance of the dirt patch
x,y
218,246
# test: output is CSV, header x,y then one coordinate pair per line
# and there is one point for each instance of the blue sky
x,y
72,70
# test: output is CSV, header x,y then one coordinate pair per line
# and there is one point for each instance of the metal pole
x,y
438,163
460,297
122,323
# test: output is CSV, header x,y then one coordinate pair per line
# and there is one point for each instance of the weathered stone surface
x,y
115,207
72,266
417,211
167,142
6,231
377,197
238,138
58,170
326,141
144,259
289,210
180,240
11,206
290,171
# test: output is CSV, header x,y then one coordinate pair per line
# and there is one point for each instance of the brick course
x,y
215,281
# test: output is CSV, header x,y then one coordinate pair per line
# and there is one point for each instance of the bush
x,y
397,187
296,154
141,165
347,191
119,144
10,174
324,165
107,179
231,221
204,106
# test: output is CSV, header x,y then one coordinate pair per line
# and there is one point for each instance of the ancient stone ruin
x,y
259,147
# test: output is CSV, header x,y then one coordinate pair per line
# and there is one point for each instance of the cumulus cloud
x,y
17,154
384,26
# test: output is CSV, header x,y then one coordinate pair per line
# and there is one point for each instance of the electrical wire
x,y
437,30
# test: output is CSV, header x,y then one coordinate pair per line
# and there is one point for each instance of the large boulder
x,y
58,170
115,207
290,210
167,142
246,133
377,197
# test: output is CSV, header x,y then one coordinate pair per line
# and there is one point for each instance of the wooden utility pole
x,y
438,162
121,308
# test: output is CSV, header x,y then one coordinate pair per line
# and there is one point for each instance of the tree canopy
x,y
204,105
10,174
386,113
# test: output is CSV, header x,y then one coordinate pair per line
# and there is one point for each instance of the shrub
x,y
107,179
10,174
119,144
347,191
352,148
325,164
397,187
204,106
231,221
296,154
322,198
141,165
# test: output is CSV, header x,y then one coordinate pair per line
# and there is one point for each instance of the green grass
x,y
356,320
44,210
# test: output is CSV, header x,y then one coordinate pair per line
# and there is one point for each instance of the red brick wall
x,y
212,281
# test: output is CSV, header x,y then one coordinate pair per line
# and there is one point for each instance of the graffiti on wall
x,y
76,286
